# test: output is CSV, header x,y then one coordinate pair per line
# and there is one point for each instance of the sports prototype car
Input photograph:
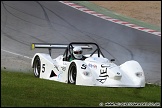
x,y
93,70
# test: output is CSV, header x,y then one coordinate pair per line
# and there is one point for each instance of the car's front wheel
x,y
37,66
72,73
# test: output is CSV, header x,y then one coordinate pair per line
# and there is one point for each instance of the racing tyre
x,y
72,73
37,66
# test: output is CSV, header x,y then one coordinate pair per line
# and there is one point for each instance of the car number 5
x,y
43,68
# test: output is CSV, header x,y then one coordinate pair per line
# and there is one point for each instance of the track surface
x,y
26,22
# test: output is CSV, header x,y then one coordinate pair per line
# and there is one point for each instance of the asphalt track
x,y
26,22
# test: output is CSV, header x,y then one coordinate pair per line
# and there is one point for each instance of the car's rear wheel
x,y
72,73
37,66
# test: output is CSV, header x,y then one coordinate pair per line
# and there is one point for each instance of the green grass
x,y
112,14
23,89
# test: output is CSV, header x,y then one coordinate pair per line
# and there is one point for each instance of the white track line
x,y
85,10
15,54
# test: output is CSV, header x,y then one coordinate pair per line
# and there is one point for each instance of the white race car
x,y
93,70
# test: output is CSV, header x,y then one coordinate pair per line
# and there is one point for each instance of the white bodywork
x,y
93,71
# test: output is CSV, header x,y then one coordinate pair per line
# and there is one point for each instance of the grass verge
x,y
24,90
112,14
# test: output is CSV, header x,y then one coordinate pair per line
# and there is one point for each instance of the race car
x,y
93,70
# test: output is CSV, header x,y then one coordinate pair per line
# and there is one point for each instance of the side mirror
x,y
112,60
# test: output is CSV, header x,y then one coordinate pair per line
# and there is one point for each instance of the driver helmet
x,y
77,52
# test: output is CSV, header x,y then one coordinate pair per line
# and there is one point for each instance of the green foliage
x,y
25,90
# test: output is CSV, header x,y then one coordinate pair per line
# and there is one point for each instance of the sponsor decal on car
x,y
63,68
103,76
92,65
